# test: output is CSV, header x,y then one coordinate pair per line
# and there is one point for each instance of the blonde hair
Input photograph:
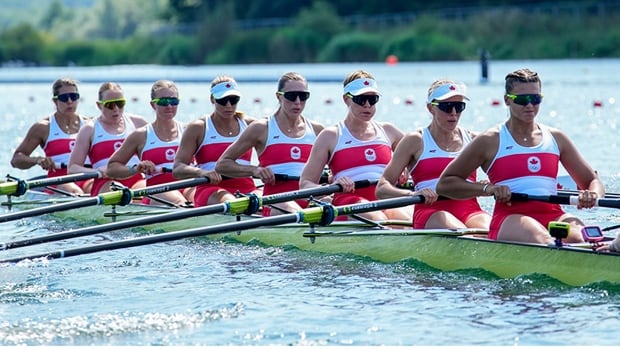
x,y
358,74
106,86
290,76
161,84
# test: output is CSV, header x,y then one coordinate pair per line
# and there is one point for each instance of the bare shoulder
x,y
316,126
137,120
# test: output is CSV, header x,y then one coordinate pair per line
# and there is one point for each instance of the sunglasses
x,y
228,99
446,107
65,97
293,95
535,99
362,99
111,103
166,101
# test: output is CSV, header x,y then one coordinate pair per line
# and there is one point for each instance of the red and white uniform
x,y
359,160
103,146
285,155
212,146
425,174
161,153
529,170
58,146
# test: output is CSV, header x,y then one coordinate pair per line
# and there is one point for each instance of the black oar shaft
x,y
238,207
310,215
49,209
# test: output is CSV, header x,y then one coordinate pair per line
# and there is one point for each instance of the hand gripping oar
x,y
116,197
322,215
564,200
19,187
244,205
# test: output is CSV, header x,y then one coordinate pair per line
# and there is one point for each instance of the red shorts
x,y
463,210
281,187
204,191
543,212
128,182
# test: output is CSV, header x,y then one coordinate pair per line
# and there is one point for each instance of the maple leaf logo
x,y
366,83
534,161
228,85
295,153
452,88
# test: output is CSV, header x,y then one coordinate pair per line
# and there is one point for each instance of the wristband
x,y
484,188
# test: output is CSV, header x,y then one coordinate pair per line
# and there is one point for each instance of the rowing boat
x,y
444,249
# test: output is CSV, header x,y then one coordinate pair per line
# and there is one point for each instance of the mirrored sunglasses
x,y
362,99
111,103
166,101
293,95
526,99
228,99
447,107
65,97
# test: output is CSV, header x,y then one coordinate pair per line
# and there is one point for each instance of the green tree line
x,y
193,32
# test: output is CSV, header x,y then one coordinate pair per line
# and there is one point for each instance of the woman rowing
x,y
99,138
425,153
357,148
282,142
155,145
522,156
207,138
55,134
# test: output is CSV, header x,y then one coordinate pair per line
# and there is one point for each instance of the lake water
x,y
197,292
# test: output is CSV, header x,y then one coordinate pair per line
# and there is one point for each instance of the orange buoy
x,y
134,99
409,101
328,101
193,100
495,102
257,100
391,60
598,103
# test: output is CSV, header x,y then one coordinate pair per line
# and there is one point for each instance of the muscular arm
x,y
81,150
190,141
404,157
584,175
132,145
35,137
479,153
254,136
319,155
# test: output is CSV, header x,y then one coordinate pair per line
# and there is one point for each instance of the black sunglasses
x,y
362,99
166,101
446,107
293,95
535,99
65,97
232,99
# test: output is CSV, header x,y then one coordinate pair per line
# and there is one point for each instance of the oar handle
x,y
564,200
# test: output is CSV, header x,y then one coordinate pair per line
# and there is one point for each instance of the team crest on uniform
x,y
370,154
295,153
534,164
170,154
117,145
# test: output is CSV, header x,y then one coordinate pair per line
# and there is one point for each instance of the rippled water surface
x,y
207,292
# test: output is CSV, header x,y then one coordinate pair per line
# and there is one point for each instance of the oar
x,y
116,197
564,192
20,187
322,215
564,200
237,206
